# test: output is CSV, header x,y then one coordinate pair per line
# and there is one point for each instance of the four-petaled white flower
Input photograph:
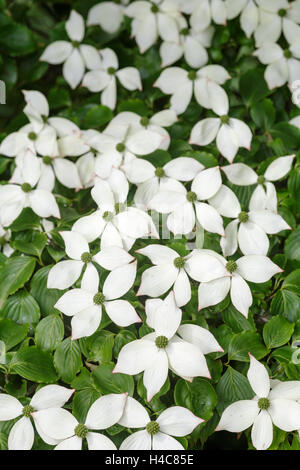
x,y
277,406
75,56
48,399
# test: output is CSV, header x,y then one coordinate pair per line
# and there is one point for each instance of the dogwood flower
x,y
230,134
69,434
105,78
264,196
154,19
218,277
156,352
277,406
185,207
151,180
275,17
170,269
74,55
108,15
48,399
65,273
248,11
248,229
204,83
156,435
85,304
117,224
203,12
283,65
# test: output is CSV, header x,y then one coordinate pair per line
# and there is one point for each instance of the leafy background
x,y
37,336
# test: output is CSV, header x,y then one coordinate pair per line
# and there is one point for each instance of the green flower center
x,y
287,53
44,118
120,207
282,12
261,179
154,8
179,262
263,403
111,70
108,216
81,431
32,136
161,342
224,119
184,31
99,298
152,428
94,151
75,43
47,160
192,75
159,172
191,196
27,410
26,187
231,266
120,147
243,217
144,121
86,257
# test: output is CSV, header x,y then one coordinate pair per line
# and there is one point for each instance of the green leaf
x,y
22,308
235,320
49,332
292,245
34,247
263,114
243,343
26,220
233,386
100,346
253,86
289,134
46,298
107,382
12,333
277,332
294,184
82,401
67,359
14,273
97,117
292,282
134,106
158,158
198,396
16,40
287,304
34,364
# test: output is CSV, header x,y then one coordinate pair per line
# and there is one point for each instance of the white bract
x,y
277,406
47,400
264,196
218,277
249,229
75,56
65,273
204,12
248,11
171,346
186,207
85,304
108,15
104,78
156,435
69,434
5,247
203,83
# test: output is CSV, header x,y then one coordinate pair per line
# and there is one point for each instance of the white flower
x,y
264,196
278,406
75,56
68,434
203,12
283,66
249,229
230,134
151,180
104,78
170,269
218,277
275,17
5,247
85,304
248,11
65,273
108,15
174,421
204,83
36,109
153,19
185,207
48,399
157,352
117,224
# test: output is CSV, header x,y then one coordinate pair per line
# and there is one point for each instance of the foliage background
x,y
37,336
